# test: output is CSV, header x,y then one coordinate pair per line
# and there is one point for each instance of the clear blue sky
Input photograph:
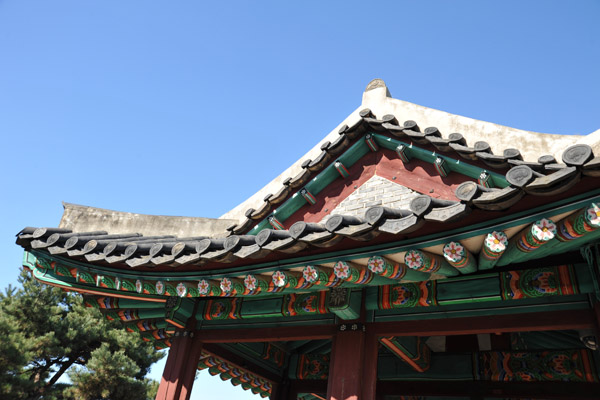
x,y
188,108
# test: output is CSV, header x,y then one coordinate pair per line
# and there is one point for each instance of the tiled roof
x,y
454,145
514,179
135,250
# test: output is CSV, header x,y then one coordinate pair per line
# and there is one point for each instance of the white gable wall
x,y
377,191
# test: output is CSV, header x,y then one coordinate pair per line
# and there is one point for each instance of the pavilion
x,y
413,254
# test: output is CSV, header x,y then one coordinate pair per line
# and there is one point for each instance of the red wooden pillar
x,y
349,373
369,379
180,369
281,391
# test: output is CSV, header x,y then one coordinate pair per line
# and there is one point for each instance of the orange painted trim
x,y
391,346
587,366
385,297
566,281
170,321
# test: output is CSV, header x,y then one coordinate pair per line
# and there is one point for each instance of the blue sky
x,y
188,108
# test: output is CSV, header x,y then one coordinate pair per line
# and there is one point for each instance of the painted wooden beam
x,y
480,389
494,245
146,325
410,349
179,310
353,273
209,287
528,240
309,366
256,284
430,263
572,231
289,280
540,321
154,335
235,375
319,276
460,258
134,314
579,223
388,269
240,362
285,333
232,286
344,303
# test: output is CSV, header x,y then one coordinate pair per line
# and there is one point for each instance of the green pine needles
x,y
49,337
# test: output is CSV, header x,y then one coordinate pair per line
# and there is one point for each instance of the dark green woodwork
x,y
410,349
540,282
450,163
179,310
442,367
85,278
318,183
309,366
528,241
344,303
357,151
573,365
238,376
268,355
551,365
131,314
555,365
405,297
544,340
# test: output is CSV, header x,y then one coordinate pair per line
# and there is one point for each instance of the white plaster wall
x,y
377,191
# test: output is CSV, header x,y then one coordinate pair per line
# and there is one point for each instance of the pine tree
x,y
47,333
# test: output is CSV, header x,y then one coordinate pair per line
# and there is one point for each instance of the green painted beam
x,y
488,308
442,367
529,240
468,291
355,153
430,157
315,185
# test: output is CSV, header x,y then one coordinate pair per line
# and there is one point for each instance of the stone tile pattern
x,y
376,191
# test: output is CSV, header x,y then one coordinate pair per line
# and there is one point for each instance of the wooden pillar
x,y
281,391
369,380
347,364
180,369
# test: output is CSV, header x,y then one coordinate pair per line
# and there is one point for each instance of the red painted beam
x,y
478,389
538,321
284,333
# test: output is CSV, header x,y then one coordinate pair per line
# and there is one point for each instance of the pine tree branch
x,y
64,366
